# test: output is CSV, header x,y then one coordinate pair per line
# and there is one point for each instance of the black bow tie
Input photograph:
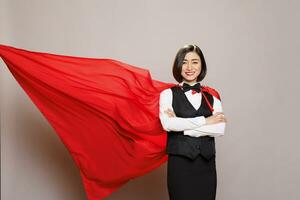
x,y
187,87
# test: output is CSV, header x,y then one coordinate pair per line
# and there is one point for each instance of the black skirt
x,y
189,179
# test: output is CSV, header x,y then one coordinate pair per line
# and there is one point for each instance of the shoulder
x,y
166,92
216,100
211,91
165,97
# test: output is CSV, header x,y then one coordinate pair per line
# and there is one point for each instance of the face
x,y
191,67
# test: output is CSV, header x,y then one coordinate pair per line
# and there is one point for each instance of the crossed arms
x,y
195,126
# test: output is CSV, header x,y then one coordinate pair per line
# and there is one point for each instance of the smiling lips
x,y
189,73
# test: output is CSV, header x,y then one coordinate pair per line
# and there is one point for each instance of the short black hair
x,y
178,61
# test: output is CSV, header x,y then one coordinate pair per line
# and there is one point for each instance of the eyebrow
x,y
192,59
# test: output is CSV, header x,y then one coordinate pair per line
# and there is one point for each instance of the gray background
x,y
251,49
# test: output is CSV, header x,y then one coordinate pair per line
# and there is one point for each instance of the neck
x,y
190,82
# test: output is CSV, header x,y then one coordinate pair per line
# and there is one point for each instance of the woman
x,y
191,127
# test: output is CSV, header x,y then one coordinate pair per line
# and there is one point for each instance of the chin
x,y
191,79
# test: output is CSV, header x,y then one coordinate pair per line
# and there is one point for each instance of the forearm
x,y
214,130
182,124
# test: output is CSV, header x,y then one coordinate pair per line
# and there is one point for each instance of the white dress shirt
x,y
195,126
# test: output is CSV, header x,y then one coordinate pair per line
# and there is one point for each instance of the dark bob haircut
x,y
177,66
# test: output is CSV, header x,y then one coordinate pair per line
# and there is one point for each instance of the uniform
x,y
191,169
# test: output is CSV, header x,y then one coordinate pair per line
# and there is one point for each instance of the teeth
x,y
189,73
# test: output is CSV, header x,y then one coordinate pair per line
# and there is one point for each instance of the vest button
x,y
198,146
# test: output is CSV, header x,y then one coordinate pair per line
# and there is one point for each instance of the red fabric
x,y
211,91
105,112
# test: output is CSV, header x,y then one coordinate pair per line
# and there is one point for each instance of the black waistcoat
x,y
186,145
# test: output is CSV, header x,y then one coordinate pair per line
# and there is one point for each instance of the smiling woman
x,y
192,117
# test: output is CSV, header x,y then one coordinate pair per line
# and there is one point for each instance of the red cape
x,y
105,112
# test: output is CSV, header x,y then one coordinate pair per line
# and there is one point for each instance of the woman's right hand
x,y
216,118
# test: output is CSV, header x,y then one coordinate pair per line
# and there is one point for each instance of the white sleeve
x,y
214,130
175,123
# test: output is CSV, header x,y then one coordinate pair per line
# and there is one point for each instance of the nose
x,y
189,66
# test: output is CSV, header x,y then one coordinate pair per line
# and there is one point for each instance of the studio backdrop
x,y
250,49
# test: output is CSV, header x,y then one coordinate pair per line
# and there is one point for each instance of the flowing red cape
x,y
105,112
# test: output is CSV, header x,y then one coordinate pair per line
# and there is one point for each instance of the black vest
x,y
186,145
